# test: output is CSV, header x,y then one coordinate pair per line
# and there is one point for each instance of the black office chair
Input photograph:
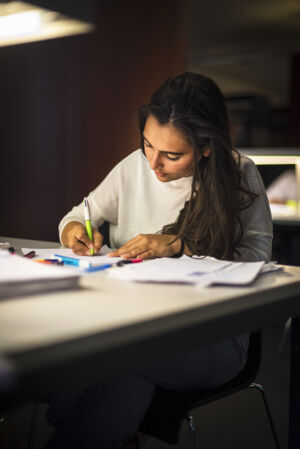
x,y
169,408
104,230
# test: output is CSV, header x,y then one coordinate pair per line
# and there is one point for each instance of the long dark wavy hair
x,y
210,221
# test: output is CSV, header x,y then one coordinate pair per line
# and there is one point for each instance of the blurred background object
x,y
252,51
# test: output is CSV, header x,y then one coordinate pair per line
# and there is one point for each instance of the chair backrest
x,y
168,407
104,230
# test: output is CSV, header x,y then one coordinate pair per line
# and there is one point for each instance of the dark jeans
x,y
107,414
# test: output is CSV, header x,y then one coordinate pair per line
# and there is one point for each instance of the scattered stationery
x,y
20,275
66,255
75,262
200,271
126,261
6,246
49,261
30,255
92,269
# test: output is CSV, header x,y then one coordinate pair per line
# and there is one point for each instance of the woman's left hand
x,y
149,246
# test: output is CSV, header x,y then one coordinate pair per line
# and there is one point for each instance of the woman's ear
x,y
207,152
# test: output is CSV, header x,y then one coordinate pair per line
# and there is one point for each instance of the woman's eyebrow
x,y
169,152
145,138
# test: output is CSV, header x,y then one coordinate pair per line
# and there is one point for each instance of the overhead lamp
x,y
22,22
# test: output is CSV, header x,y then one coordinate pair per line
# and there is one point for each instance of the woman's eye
x,y
171,157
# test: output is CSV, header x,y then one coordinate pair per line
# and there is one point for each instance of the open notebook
x,y
21,276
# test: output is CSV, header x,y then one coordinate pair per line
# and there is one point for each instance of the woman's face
x,y
170,156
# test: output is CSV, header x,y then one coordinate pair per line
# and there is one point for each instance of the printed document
x,y
201,271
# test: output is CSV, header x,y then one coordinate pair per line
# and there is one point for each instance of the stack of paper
x,y
201,271
19,276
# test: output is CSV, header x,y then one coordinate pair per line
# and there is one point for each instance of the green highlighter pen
x,y
88,225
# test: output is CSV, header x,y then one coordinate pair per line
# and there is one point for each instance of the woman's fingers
x,y
135,246
146,255
80,243
143,246
98,241
132,252
146,246
80,250
125,248
75,237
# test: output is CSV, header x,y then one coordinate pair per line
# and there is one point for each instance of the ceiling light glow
x,y
21,22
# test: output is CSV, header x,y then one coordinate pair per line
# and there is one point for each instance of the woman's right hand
x,y
75,237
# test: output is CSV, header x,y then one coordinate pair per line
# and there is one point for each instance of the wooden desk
x,y
110,324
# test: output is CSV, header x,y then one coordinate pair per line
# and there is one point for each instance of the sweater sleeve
x,y
256,243
103,202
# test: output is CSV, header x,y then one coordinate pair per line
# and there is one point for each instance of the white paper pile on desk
x,y
21,276
203,271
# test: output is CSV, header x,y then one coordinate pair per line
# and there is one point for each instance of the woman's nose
x,y
155,160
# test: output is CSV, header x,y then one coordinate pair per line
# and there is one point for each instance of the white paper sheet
x,y
237,273
271,266
200,271
169,270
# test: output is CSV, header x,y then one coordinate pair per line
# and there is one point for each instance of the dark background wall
x,y
295,100
68,108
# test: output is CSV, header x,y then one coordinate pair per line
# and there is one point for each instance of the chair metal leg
x,y
286,332
192,432
259,388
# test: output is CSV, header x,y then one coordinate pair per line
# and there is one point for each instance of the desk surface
x,y
121,322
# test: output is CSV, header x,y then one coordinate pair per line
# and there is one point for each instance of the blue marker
x,y
72,261
97,268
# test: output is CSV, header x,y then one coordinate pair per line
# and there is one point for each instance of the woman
x,y
192,184
188,191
